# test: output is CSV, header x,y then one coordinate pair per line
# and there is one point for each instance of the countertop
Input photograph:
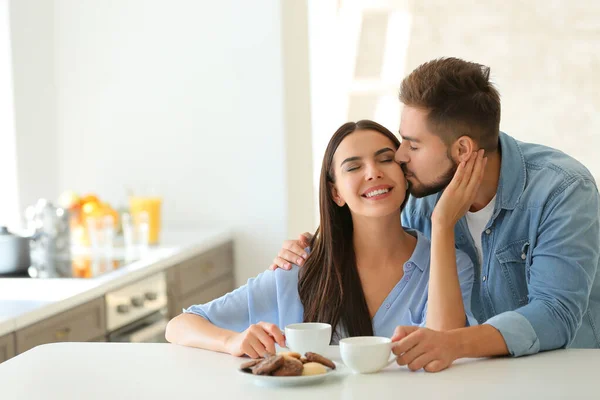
x,y
164,371
24,301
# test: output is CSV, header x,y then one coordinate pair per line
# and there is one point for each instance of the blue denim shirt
x,y
273,297
537,283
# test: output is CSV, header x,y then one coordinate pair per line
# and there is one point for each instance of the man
x,y
533,231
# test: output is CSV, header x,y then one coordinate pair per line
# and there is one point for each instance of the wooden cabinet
x,y
7,347
200,279
80,324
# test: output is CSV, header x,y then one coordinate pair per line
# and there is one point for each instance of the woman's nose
x,y
373,173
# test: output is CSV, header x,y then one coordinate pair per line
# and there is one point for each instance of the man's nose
x,y
401,157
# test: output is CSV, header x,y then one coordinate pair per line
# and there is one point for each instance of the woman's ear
x,y
463,148
336,196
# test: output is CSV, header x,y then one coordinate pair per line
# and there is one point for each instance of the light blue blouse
x,y
273,297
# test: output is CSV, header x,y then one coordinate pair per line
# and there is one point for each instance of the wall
x,y
298,127
185,99
8,147
32,35
544,57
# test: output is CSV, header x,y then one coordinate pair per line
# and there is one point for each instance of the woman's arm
x,y
230,323
445,301
194,331
445,309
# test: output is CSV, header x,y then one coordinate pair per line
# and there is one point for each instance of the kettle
x,y
14,252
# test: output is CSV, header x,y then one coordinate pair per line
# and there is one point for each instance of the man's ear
x,y
462,148
336,196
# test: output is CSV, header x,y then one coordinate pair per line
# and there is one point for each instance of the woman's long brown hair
x,y
329,285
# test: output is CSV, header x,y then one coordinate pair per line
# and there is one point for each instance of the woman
x,y
365,273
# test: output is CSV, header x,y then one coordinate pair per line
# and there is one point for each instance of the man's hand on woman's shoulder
x,y
292,252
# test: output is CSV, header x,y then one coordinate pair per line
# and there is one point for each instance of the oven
x,y
137,312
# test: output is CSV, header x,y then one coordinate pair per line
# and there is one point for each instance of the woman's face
x,y
366,176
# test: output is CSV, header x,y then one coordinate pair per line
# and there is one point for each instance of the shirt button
x,y
523,256
488,231
387,306
484,278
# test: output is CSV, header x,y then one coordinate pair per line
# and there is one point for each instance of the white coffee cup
x,y
366,354
308,336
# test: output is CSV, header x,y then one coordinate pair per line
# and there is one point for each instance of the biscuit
x,y
313,368
291,367
290,354
268,365
314,357
303,359
247,366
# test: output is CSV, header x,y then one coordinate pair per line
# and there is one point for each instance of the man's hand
x,y
255,341
292,252
424,348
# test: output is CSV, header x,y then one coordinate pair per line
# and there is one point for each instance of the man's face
x,y
424,157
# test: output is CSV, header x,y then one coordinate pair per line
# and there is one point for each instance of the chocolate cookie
x,y
268,365
247,366
290,367
314,357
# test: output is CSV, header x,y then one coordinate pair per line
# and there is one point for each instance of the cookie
x,y
314,357
247,366
313,368
268,365
290,354
291,367
303,359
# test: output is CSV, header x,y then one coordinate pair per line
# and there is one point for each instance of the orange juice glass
x,y
150,206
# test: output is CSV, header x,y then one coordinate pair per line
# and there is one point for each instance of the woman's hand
x,y
255,341
461,192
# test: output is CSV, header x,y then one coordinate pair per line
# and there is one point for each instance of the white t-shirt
x,y
477,222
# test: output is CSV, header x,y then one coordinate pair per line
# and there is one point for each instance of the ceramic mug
x,y
308,336
367,354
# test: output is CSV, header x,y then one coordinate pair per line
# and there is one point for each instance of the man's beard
x,y
419,190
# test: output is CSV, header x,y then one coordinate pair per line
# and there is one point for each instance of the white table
x,y
168,372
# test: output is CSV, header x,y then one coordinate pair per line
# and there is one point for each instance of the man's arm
x,y
435,351
563,267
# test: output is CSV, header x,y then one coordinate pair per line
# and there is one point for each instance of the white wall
x,y
32,35
185,97
9,199
544,58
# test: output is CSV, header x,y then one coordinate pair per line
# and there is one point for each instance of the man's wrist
x,y
457,343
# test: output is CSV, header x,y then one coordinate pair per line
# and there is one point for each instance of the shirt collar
x,y
421,255
512,173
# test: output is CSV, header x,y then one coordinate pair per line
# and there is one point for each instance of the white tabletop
x,y
163,371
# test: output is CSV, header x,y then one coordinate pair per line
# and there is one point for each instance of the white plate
x,y
267,380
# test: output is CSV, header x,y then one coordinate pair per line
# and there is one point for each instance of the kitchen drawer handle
x,y
62,333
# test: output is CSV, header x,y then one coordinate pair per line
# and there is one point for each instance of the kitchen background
x,y
224,108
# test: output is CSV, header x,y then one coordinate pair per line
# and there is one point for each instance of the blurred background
x,y
222,109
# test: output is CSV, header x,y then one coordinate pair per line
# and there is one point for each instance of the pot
x,y
14,252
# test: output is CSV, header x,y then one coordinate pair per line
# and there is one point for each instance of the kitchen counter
x,y
24,301
162,371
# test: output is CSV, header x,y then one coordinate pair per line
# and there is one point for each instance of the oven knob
x,y
123,308
137,301
151,295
